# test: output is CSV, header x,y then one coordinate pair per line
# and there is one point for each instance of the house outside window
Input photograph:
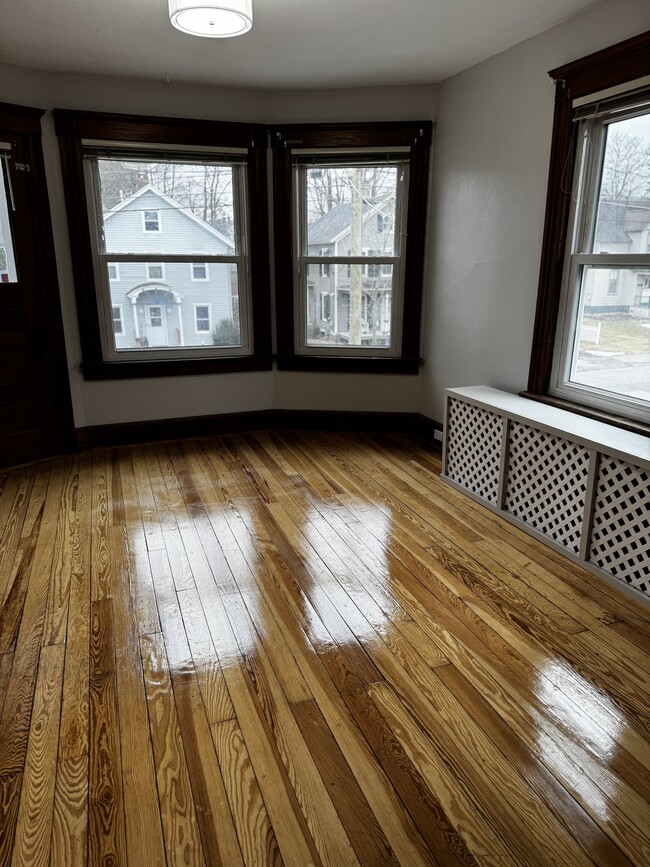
x,y
591,345
351,244
113,271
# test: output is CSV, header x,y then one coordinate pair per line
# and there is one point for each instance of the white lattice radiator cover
x,y
581,486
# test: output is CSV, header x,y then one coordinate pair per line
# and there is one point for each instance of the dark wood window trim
x,y
417,136
72,127
623,62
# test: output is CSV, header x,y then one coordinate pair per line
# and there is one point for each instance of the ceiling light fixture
x,y
210,18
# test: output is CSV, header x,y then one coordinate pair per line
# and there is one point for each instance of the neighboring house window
x,y
591,344
199,271
324,267
202,318
335,183
118,325
151,221
326,307
155,271
612,287
133,169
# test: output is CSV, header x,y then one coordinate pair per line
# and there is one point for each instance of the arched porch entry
x,y
157,314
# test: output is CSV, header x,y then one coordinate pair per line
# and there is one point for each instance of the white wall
x,y
136,400
490,174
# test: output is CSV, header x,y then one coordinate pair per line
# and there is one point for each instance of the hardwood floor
x,y
305,649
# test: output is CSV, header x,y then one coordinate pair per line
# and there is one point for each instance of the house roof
x,y
335,223
616,220
170,203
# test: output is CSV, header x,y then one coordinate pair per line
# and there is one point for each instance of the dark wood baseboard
x,y
240,422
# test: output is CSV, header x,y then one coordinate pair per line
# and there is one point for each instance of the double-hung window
x,y
148,196
604,330
349,222
591,348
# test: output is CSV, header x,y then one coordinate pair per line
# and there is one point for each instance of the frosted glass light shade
x,y
211,17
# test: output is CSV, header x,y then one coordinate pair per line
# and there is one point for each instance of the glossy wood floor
x,y
305,649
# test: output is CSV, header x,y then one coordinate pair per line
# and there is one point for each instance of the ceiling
x,y
293,43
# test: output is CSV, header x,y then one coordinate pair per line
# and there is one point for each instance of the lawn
x,y
619,335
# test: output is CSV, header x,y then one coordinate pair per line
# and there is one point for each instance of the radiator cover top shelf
x,y
581,486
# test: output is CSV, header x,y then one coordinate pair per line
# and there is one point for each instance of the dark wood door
x,y
35,410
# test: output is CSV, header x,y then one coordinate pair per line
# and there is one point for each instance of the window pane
x,y
151,207
349,306
624,196
612,346
8,272
167,314
351,209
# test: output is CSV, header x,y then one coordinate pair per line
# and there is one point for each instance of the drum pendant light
x,y
213,19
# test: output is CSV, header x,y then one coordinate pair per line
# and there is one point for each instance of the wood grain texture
x,y
105,795
34,824
256,837
289,648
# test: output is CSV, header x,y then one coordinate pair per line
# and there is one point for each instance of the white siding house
x,y
166,304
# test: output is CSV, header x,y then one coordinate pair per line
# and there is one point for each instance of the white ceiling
x,y
293,43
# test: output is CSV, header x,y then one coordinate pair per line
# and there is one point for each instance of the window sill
x,y
349,364
588,412
174,367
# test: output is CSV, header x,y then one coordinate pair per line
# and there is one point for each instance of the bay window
x,y
143,195
350,214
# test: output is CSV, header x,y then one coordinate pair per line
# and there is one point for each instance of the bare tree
x,y
626,171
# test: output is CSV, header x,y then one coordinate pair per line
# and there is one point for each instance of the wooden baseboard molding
x,y
153,430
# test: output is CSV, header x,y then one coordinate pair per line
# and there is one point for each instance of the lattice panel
x,y
547,483
620,536
474,449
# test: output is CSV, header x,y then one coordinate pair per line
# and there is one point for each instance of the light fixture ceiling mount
x,y
213,18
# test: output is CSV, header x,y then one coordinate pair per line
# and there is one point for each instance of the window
x,y
130,178
592,341
199,272
151,221
155,271
612,287
118,327
8,273
202,318
332,186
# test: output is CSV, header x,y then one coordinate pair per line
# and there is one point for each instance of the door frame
x,y
22,124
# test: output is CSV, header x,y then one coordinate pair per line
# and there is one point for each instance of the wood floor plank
x,y
101,573
69,846
214,819
361,825
257,840
182,839
11,529
106,841
34,824
73,733
144,837
67,545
